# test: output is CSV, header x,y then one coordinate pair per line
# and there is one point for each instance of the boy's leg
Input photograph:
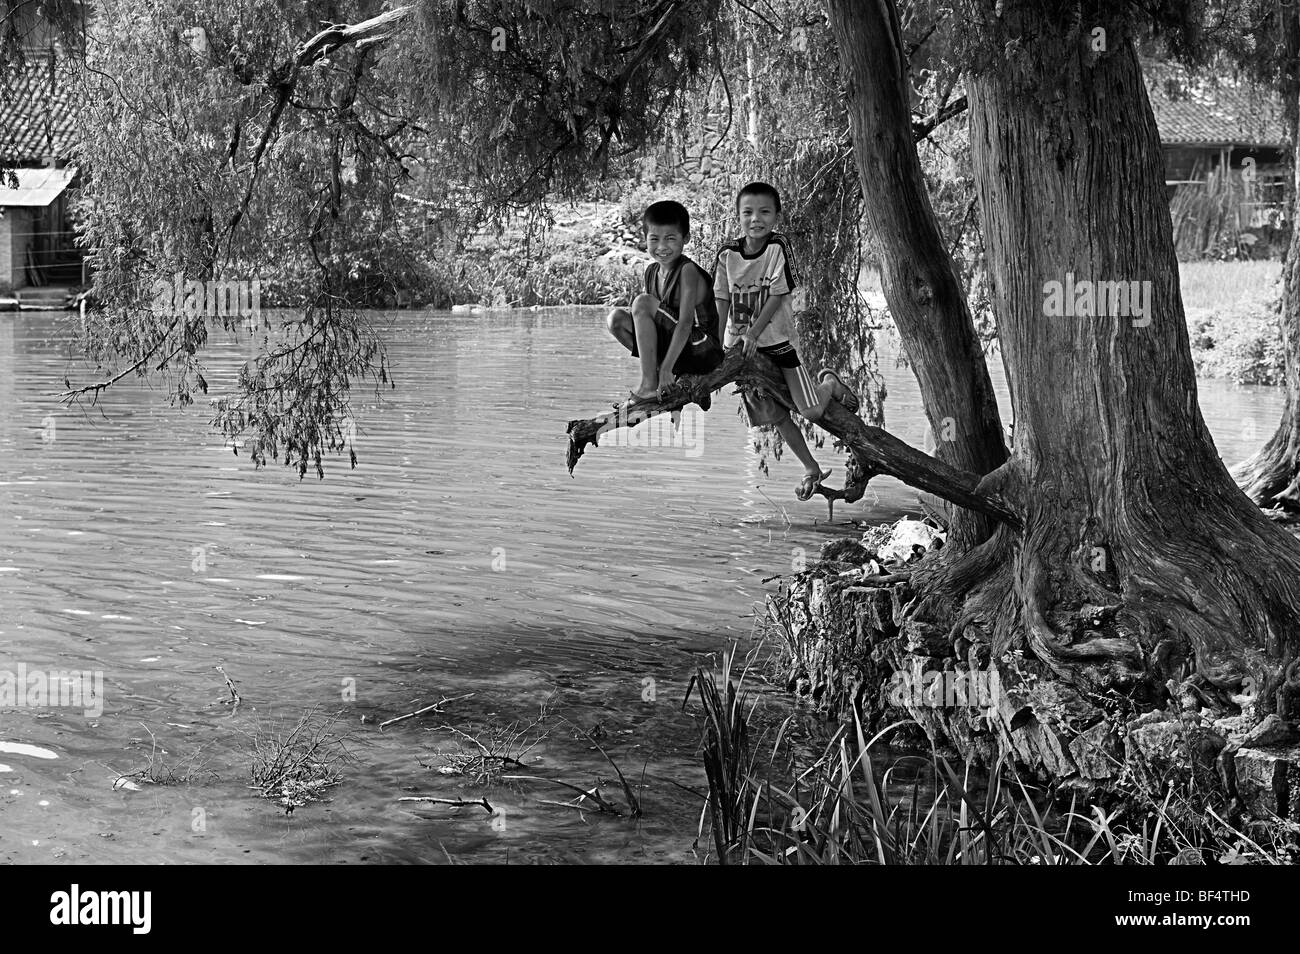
x,y
825,394
809,398
763,409
646,329
620,326
794,440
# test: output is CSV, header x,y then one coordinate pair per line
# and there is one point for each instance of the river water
x,y
459,559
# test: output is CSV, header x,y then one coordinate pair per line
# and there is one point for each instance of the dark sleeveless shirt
x,y
706,312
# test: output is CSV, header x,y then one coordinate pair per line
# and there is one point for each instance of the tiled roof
x,y
1223,113
36,115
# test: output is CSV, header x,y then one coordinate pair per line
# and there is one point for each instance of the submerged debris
x,y
298,767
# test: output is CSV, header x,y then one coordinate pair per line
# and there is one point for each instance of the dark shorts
x,y
700,356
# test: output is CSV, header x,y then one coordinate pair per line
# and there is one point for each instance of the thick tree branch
x,y
875,451
339,34
285,80
923,128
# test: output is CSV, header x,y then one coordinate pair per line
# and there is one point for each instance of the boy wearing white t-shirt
x,y
752,282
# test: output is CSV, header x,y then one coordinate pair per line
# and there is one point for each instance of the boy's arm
x,y
721,298
691,296
724,311
771,308
782,277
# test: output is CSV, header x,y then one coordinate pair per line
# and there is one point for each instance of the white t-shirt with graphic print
x,y
747,280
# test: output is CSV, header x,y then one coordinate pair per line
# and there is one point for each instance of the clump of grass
x,y
728,760
298,766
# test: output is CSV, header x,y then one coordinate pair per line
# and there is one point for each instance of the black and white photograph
x,y
651,432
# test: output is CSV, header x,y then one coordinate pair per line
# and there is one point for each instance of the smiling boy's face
x,y
664,242
757,216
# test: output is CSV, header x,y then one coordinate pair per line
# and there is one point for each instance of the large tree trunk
x,y
1138,576
925,297
1140,560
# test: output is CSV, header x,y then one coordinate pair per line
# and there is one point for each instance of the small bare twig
x,y
234,693
458,802
881,580
433,708
572,805
632,800
593,794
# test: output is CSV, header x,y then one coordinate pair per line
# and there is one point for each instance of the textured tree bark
x,y
1140,561
925,297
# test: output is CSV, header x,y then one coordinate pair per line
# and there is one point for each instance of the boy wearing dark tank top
x,y
672,325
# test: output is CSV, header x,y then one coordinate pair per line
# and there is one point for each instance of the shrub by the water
x,y
1233,320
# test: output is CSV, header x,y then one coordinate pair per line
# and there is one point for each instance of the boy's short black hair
x,y
759,188
667,212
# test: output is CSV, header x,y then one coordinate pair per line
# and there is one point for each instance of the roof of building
x,y
36,115
1213,113
36,187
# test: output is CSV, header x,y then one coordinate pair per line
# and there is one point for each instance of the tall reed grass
x,y
841,808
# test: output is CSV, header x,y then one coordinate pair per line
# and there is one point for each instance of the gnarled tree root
x,y
1102,650
1271,478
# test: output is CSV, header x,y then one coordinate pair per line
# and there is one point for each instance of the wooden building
x,y
1226,164
39,256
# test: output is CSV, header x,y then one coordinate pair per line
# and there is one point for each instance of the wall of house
x,y
15,238
8,226
13,246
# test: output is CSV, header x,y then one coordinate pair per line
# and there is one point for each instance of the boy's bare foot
x,y
812,479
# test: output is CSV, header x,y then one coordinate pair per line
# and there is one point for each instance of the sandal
x,y
808,486
636,400
850,401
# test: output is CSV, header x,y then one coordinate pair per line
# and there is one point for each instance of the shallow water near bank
x,y
459,557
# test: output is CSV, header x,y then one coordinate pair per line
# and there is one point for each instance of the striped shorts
x,y
764,409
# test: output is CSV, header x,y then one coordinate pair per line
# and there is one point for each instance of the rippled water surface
x,y
458,558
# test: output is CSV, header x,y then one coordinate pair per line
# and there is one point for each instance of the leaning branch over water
x,y
874,450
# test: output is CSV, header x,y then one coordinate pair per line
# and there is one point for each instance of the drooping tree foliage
x,y
222,135
338,141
